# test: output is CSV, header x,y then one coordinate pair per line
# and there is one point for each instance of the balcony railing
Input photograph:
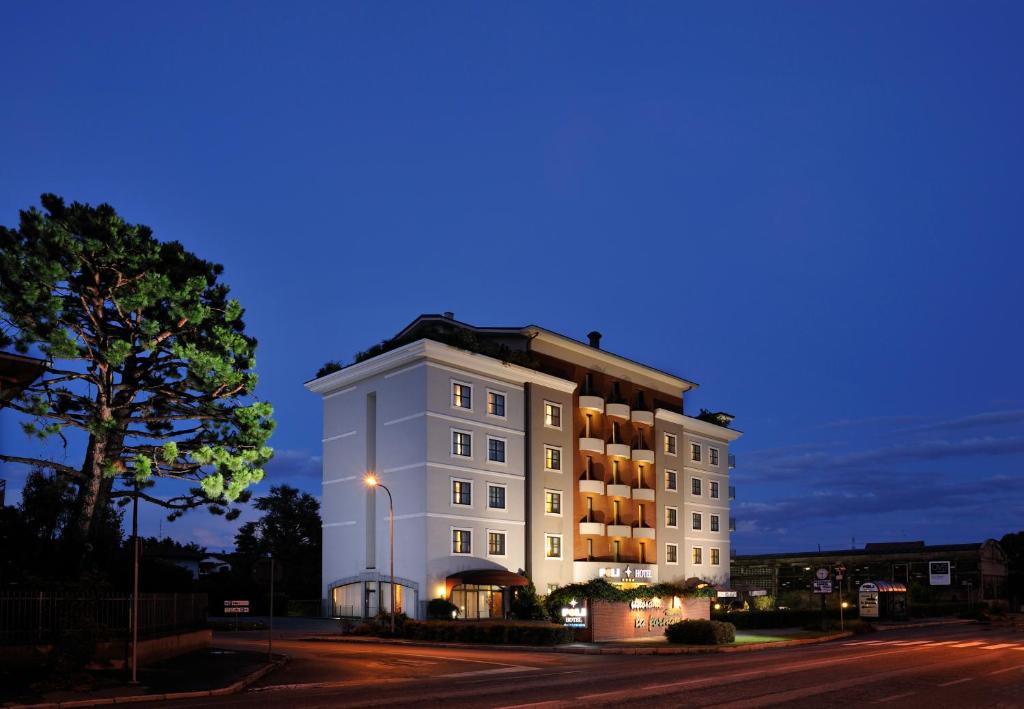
x,y
732,524
732,461
732,492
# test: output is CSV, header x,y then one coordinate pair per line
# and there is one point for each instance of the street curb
x,y
232,688
689,650
951,621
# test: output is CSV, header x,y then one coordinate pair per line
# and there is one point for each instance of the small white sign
x,y
822,586
758,592
939,573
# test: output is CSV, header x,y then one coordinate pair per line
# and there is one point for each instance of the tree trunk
x,y
89,490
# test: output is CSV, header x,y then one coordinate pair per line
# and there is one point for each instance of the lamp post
x,y
135,585
373,481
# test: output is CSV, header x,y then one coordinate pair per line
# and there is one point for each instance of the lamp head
x,y
371,480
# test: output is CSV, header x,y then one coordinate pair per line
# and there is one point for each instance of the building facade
x,y
513,453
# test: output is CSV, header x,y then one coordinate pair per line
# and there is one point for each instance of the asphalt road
x,y
943,666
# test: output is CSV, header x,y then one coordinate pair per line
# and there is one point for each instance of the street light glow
x,y
371,480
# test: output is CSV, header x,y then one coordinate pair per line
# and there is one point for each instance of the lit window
x,y
552,415
670,444
695,486
716,557
552,502
713,456
714,523
695,451
553,546
698,555
496,450
496,543
496,497
713,490
462,395
462,492
462,541
671,480
671,517
495,403
696,520
671,553
462,444
552,458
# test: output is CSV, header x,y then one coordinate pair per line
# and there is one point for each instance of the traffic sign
x,y
822,586
236,607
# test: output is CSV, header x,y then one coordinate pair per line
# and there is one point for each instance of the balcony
x,y
592,445
643,532
732,461
644,417
592,528
619,530
643,455
732,524
643,494
620,411
618,490
617,449
732,492
591,403
592,487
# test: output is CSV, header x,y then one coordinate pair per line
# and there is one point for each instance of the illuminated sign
x,y
639,604
628,573
938,573
574,617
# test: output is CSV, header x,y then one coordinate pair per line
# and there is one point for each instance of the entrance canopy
x,y
487,577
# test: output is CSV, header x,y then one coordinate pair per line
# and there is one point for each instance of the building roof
x,y
17,372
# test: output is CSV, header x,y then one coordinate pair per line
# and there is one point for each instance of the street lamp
x,y
373,481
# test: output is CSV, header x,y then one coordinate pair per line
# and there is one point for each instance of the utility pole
x,y
270,631
135,585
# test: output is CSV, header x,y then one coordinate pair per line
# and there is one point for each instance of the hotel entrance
x,y
483,594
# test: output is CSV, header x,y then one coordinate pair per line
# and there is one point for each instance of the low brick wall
x,y
645,619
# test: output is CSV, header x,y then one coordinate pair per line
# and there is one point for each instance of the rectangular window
x,y
695,451
462,444
698,555
496,497
716,557
462,541
496,404
714,523
552,502
462,492
671,517
552,415
671,553
495,543
670,444
713,489
616,550
553,546
713,456
462,395
671,480
495,450
697,520
553,458
695,486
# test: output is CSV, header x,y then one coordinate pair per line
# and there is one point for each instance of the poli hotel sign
x,y
627,574
574,615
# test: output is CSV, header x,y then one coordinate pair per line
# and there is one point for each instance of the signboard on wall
x,y
823,586
939,573
236,607
868,601
575,615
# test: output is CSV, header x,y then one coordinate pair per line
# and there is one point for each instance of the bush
x,y
496,632
764,603
526,604
441,609
701,632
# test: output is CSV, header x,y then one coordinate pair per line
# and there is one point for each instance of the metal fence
x,y
43,617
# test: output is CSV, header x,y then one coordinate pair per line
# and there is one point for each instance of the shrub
x,y
764,603
701,632
441,609
496,632
526,604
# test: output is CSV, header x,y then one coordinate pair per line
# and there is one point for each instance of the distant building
x,y
17,372
214,564
512,451
978,569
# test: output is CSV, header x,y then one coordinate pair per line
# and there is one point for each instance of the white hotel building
x,y
516,453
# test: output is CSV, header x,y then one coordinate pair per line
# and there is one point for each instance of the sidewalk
x,y
209,673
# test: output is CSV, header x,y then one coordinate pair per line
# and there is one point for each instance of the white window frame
x,y
487,403
451,541
700,452
714,490
561,459
675,444
699,519
561,499
561,415
451,492
700,484
451,395
676,510
503,487
503,533
673,546
504,442
714,456
561,547
711,556
451,444
714,522
692,555
665,480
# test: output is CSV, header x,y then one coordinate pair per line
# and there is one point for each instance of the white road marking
x,y
495,671
1006,669
919,642
944,642
956,681
973,643
998,646
536,705
894,697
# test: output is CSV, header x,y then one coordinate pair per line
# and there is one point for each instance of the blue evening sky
x,y
812,209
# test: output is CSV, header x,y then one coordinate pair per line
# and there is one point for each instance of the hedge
x,y
701,632
600,590
498,632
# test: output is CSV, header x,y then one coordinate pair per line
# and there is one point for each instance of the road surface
x,y
943,666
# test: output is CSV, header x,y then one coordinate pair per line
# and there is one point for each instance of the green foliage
x,y
526,603
701,632
455,336
148,356
599,589
492,632
329,368
440,609
764,603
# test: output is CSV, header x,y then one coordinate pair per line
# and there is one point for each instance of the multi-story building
x,y
513,453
